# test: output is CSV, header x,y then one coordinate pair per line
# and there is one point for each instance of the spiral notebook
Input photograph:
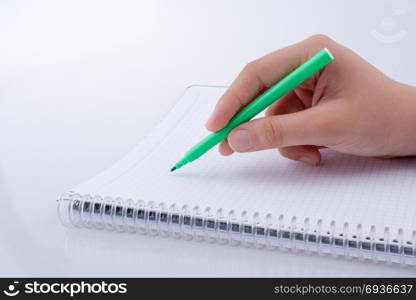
x,y
350,206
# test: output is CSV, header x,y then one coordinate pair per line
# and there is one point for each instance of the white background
x,y
82,81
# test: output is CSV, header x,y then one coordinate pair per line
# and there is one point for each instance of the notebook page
x,y
344,189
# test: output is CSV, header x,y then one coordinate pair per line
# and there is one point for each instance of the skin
x,y
349,106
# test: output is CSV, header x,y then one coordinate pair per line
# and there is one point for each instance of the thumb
x,y
307,127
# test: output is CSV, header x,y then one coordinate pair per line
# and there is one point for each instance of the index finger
x,y
261,74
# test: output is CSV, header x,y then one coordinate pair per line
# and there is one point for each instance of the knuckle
x,y
321,40
251,67
272,132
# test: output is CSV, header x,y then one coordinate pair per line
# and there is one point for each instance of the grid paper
x,y
345,188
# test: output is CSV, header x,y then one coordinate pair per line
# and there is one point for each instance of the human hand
x,y
349,106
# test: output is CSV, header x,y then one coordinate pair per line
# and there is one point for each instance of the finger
x,y
308,154
314,126
225,148
385,157
287,104
260,74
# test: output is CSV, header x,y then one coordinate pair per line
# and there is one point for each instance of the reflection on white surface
x,y
170,257
80,83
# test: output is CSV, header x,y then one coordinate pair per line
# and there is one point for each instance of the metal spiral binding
x,y
308,236
228,228
223,227
234,229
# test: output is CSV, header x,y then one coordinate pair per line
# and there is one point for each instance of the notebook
x,y
349,206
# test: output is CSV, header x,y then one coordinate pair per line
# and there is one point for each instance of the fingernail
x,y
240,140
308,160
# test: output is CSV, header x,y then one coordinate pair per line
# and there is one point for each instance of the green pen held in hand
x,y
281,88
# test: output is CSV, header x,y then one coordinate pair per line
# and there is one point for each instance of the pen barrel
x,y
281,88
206,144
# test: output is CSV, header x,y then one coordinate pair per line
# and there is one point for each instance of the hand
x,y
348,106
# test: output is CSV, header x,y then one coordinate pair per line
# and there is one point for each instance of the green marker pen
x,y
281,88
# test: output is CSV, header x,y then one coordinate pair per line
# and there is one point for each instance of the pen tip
x,y
173,169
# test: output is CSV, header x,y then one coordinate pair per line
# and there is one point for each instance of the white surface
x,y
82,81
